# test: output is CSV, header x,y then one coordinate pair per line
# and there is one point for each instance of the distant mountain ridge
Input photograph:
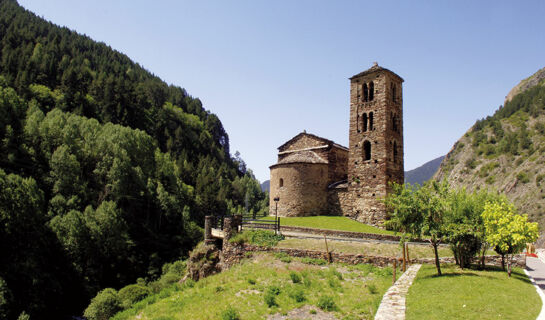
x,y
424,172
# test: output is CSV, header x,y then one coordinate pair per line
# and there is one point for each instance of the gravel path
x,y
392,306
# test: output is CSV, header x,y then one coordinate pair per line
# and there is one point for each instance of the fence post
x,y
407,252
394,271
208,221
404,257
227,230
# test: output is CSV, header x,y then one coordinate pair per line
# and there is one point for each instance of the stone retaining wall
x,y
234,253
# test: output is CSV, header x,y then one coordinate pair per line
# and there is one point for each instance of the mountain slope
x,y
106,172
506,151
424,172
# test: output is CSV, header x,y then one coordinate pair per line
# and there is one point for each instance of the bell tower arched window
x,y
366,150
281,183
393,89
370,121
365,92
364,122
371,91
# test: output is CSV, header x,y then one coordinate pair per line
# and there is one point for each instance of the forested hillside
x,y
106,172
506,151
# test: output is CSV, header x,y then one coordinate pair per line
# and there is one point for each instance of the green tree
x,y
419,211
507,230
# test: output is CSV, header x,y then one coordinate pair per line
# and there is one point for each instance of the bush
x,y
295,277
372,288
270,299
298,294
104,305
326,303
230,314
132,294
523,177
251,280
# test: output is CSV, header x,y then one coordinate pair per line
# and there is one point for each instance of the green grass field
x,y
471,294
354,292
331,223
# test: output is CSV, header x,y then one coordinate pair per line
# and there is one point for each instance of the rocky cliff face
x,y
526,84
506,151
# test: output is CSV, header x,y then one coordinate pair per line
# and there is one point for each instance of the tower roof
x,y
373,69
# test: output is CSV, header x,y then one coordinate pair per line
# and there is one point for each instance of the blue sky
x,y
271,69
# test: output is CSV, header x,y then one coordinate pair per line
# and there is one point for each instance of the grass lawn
x,y
373,249
354,292
471,294
331,223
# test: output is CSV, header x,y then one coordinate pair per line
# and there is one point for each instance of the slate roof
x,y
304,133
375,68
303,157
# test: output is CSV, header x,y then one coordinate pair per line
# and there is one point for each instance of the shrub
x,y
104,305
295,277
230,314
251,280
132,294
372,288
298,294
270,299
523,177
326,303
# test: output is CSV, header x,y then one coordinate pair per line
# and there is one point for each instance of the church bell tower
x,y
375,141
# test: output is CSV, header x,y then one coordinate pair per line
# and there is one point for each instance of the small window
x,y
365,92
371,91
364,122
281,183
367,150
370,121
395,151
394,97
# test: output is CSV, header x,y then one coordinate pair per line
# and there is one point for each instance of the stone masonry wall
x,y
304,190
305,141
338,164
368,179
339,202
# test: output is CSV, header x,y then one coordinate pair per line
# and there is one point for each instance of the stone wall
x,y
368,178
304,190
235,253
338,164
339,201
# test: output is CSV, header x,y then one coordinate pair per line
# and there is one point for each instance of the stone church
x,y
316,176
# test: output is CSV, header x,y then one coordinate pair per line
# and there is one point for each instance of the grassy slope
x,y
471,294
330,222
213,295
